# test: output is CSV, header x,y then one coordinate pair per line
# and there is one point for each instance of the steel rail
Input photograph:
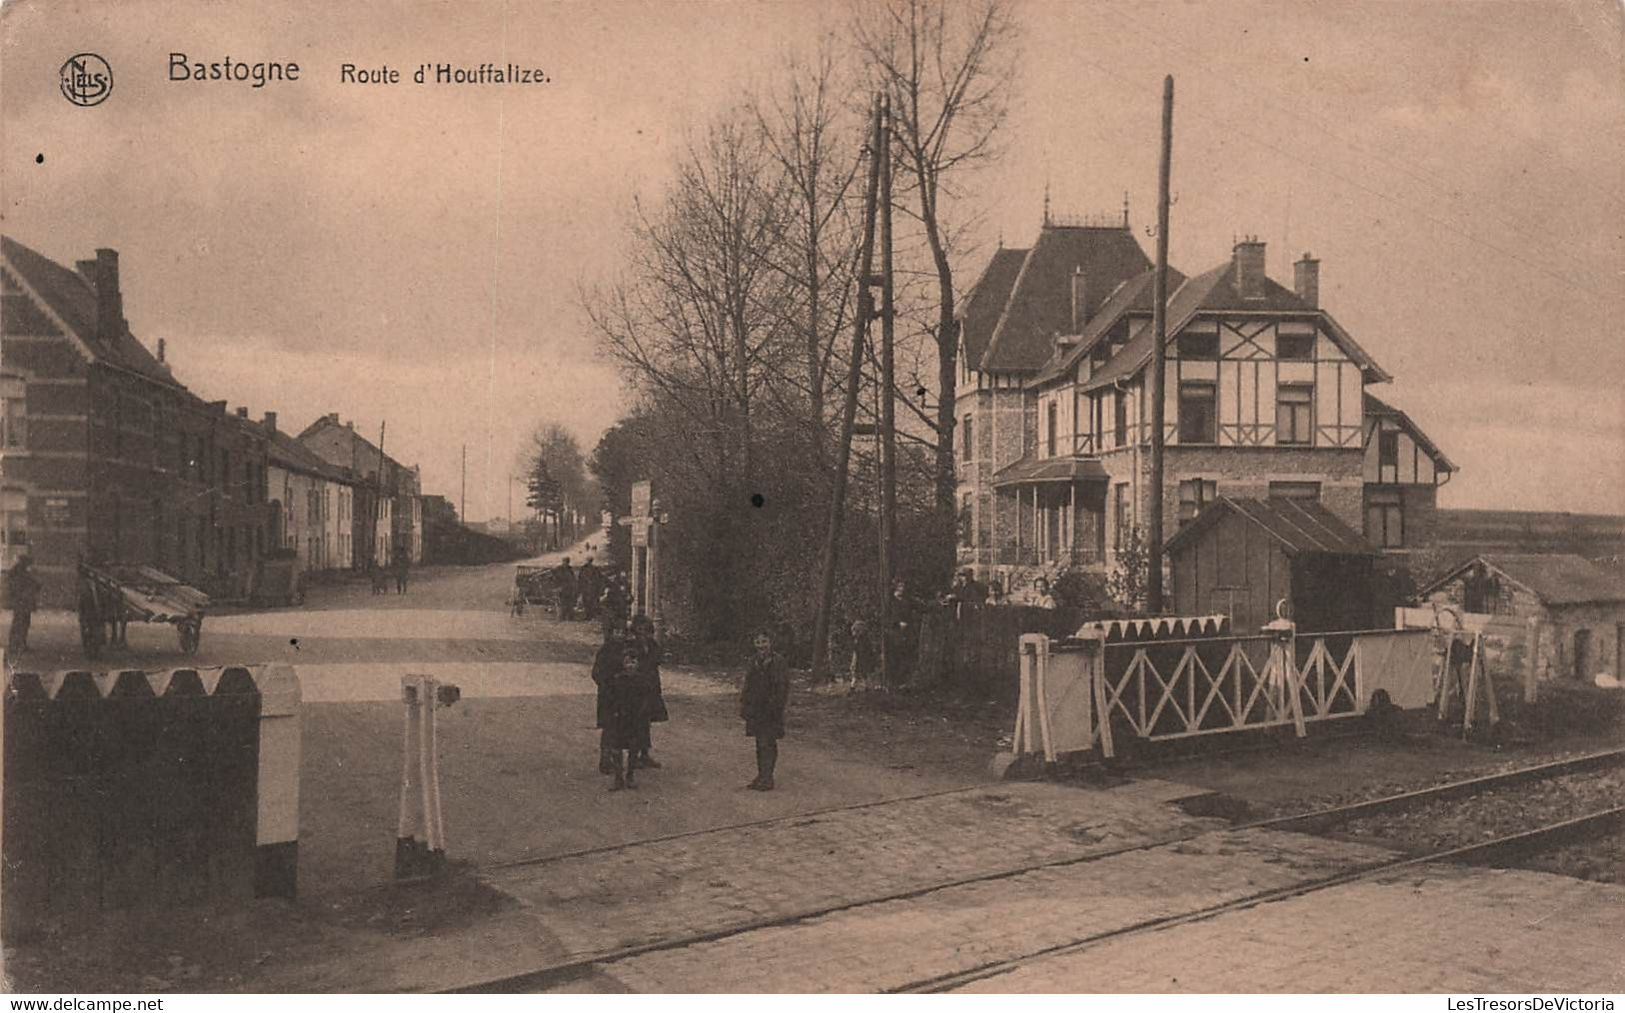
x,y
585,964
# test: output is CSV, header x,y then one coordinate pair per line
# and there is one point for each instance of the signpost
x,y
645,524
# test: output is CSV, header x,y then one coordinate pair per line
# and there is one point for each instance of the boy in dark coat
x,y
564,577
623,702
590,588
654,708
761,704
22,598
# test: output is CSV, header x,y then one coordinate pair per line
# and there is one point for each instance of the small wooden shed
x,y
1242,556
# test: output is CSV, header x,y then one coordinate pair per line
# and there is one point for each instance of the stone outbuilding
x,y
1573,609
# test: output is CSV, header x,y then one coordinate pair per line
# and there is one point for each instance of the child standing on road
x,y
761,704
623,703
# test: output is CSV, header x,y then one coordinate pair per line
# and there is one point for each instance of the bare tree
x,y
949,68
817,150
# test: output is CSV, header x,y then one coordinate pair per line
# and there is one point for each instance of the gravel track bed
x,y
1450,823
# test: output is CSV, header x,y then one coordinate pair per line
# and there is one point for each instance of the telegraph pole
x,y
464,507
849,413
1159,353
888,416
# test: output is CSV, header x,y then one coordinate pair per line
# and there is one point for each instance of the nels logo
x,y
86,79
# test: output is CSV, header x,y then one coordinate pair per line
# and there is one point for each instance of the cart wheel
x,y
190,633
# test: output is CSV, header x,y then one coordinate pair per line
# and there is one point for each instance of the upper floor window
x,y
1295,490
1385,518
1388,448
1196,413
1120,419
1194,494
1120,518
967,439
1294,346
1294,414
1051,421
1199,346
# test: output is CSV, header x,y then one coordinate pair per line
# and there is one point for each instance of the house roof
x,y
1297,525
979,310
1039,305
289,453
1378,407
1556,578
1214,291
1035,470
1136,295
71,298
368,454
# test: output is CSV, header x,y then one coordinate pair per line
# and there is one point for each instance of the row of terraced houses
x,y
1267,397
106,457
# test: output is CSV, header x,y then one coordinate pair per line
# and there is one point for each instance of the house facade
x,y
1265,397
106,456
314,500
385,508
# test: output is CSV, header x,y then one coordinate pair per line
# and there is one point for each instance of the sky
x,y
411,255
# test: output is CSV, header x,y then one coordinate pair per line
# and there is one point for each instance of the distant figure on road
x,y
614,601
403,568
623,704
589,588
654,709
605,667
22,597
761,704
380,580
564,578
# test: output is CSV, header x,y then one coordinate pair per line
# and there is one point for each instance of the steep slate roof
x,y
1214,291
1040,302
1554,578
1136,295
1298,525
1375,406
979,310
1034,469
72,299
289,453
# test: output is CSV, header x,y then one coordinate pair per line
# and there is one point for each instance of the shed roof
x,y
1298,525
1556,578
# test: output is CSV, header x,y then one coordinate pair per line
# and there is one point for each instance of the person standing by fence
x,y
654,706
761,704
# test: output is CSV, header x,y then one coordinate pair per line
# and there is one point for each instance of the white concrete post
x,y
276,855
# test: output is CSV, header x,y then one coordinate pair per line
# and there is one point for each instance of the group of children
x,y
630,700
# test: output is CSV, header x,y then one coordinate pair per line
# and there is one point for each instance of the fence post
x,y
1284,660
1039,643
276,856
1094,649
1531,679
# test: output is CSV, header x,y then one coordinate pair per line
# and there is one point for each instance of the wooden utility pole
x,y
1159,354
464,507
849,412
888,413
378,510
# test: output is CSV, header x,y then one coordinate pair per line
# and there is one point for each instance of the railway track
x,y
1518,844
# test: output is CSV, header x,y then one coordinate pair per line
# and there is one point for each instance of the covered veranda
x,y
1052,511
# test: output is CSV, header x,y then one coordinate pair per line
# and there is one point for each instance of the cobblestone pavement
x,y
733,878
1437,929
958,929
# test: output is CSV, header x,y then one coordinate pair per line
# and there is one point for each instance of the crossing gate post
x,y
1284,665
420,841
1094,651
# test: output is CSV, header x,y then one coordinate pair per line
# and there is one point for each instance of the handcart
x,y
110,597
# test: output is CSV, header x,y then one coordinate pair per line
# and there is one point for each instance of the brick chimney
x,y
1080,299
161,349
1248,262
109,301
242,411
270,421
1306,280
333,417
